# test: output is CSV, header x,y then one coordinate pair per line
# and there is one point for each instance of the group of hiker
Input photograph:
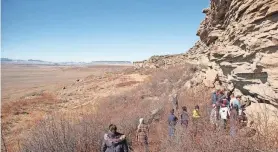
x,y
225,109
184,119
224,106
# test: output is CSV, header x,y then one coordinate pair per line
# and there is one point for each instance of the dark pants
x,y
184,123
217,112
223,123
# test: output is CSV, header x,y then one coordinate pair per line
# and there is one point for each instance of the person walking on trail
x,y
196,116
175,101
229,93
214,96
239,105
172,121
114,141
196,113
235,103
184,117
213,119
235,100
219,96
142,134
224,114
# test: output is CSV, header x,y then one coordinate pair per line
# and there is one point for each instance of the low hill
x,y
41,62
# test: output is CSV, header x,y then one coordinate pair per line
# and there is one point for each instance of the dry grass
x,y
123,110
78,132
59,133
21,115
31,95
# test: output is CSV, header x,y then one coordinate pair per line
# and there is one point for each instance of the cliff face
x,y
241,44
238,46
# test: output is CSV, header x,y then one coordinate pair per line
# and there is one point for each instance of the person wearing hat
x,y
224,114
142,134
114,141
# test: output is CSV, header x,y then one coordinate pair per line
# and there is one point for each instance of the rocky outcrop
x,y
238,47
163,61
240,38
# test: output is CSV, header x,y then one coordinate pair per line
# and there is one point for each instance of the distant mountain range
x,y
40,62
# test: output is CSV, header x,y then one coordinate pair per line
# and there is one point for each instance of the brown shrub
x,y
85,133
59,133
62,134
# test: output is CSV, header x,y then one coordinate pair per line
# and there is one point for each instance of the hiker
x,y
213,119
238,97
142,134
220,97
175,101
196,113
235,102
196,116
184,117
172,121
114,141
215,96
229,93
224,114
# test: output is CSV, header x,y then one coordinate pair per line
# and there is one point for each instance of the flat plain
x,y
20,80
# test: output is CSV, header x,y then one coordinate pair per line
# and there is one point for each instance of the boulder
x,y
210,78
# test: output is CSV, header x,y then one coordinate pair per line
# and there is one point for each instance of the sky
x,y
93,30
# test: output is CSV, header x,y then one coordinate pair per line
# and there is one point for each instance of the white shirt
x,y
224,112
240,112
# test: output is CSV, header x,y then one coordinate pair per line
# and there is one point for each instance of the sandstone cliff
x,y
238,47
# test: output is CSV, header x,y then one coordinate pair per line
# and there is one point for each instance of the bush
x,y
84,132
58,133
